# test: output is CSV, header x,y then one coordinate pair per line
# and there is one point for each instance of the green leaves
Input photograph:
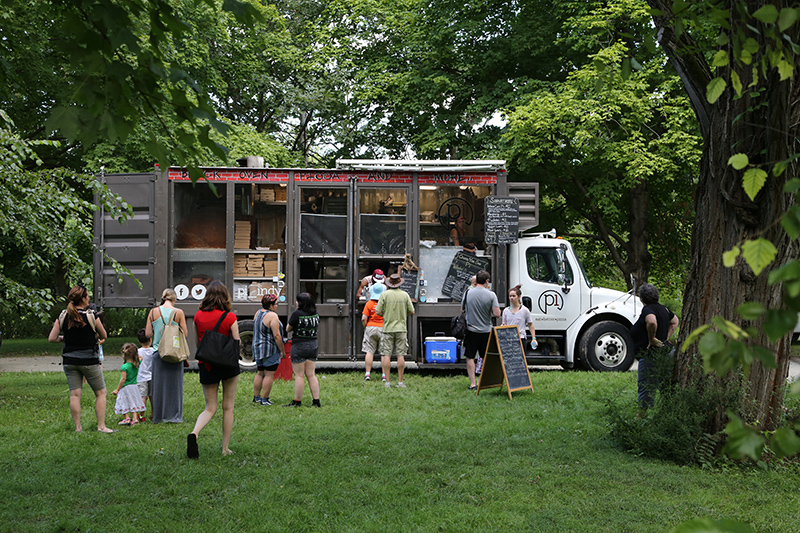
x,y
714,89
739,161
743,440
767,14
758,253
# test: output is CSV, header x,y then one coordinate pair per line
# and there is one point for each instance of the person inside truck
x,y
459,231
368,281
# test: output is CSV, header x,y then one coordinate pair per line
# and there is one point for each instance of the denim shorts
x,y
304,351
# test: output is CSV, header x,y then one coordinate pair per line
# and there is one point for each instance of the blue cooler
x,y
441,349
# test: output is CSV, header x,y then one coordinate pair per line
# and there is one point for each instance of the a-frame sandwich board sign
x,y
504,362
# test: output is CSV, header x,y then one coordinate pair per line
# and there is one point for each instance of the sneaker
x,y
315,403
387,384
401,385
294,403
383,378
265,401
366,377
256,399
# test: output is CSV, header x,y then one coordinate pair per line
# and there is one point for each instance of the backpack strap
x,y
90,318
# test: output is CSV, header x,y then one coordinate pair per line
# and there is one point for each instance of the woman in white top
x,y
518,315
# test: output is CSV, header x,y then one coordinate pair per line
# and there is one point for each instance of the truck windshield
x,y
543,265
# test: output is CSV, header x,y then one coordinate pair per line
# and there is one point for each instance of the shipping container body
x,y
285,231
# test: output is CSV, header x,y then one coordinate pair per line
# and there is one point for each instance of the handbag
x,y
218,349
458,324
173,348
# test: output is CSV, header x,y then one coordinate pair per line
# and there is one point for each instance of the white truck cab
x,y
575,322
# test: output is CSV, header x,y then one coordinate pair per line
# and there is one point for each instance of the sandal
x,y
125,422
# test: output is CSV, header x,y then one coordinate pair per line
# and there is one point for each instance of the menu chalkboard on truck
x,y
410,284
464,266
504,361
502,220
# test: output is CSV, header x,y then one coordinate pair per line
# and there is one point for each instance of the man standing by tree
x,y
394,306
480,305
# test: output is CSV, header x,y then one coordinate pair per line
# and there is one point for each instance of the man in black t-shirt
x,y
655,325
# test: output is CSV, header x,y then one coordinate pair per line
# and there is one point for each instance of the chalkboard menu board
x,y
323,234
410,283
505,361
502,220
464,266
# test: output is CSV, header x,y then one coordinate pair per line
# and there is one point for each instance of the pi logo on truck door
x,y
549,300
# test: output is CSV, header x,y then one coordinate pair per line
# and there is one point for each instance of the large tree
x,y
615,150
747,100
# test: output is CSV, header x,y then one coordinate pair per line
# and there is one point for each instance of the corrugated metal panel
x,y
131,243
528,195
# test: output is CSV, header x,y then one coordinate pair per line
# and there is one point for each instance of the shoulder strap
x,y
90,317
215,329
219,322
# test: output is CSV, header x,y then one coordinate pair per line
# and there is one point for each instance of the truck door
x,y
551,285
131,243
381,242
324,260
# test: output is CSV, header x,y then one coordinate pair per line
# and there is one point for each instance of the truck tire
x,y
246,361
607,347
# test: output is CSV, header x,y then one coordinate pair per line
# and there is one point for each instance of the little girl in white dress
x,y
129,400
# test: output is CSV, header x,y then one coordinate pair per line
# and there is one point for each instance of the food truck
x,y
286,231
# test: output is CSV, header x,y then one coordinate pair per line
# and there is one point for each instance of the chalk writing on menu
x,y
502,219
464,266
410,282
513,358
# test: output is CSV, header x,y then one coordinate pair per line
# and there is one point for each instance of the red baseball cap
x,y
377,274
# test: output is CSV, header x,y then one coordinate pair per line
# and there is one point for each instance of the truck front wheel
x,y
246,361
607,347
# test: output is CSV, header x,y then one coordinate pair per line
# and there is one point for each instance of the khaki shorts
x,y
395,343
145,388
92,373
372,339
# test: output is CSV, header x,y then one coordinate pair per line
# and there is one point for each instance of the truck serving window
x,y
543,265
324,243
259,241
382,222
198,255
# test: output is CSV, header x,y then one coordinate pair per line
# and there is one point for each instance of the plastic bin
x,y
441,349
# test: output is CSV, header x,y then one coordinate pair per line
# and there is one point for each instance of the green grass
x,y
37,347
432,457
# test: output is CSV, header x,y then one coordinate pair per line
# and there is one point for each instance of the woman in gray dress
x,y
167,394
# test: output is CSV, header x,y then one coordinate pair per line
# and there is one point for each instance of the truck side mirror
x,y
527,302
561,264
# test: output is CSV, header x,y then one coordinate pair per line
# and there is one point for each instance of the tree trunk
x,y
638,245
763,124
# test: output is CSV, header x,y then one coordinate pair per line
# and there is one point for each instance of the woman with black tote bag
x,y
214,314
